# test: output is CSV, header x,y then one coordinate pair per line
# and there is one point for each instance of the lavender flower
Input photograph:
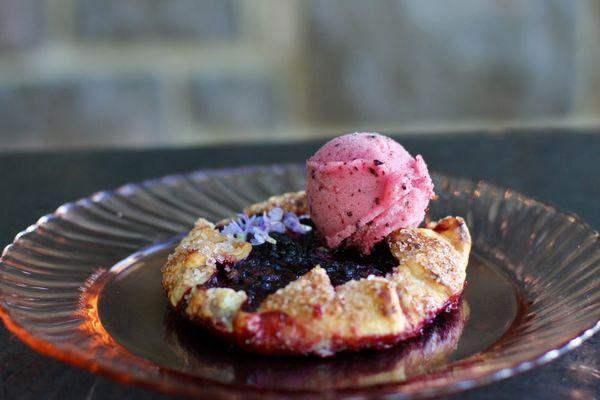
x,y
234,229
240,227
257,228
259,236
274,217
292,222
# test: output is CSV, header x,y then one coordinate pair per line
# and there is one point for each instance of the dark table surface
x,y
560,167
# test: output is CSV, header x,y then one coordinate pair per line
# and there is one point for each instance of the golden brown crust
x,y
309,315
194,260
293,202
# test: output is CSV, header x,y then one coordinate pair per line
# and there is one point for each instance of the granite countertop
x,y
560,167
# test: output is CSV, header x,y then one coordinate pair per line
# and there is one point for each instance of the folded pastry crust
x,y
310,315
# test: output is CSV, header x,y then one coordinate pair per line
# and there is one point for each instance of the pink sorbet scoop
x,y
363,186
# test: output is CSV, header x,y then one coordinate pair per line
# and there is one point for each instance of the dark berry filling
x,y
272,266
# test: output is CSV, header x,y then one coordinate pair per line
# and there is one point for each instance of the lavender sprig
x,y
257,228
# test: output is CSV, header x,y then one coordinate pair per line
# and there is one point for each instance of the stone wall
x,y
149,72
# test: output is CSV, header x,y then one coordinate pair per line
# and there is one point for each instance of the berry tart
x,y
341,266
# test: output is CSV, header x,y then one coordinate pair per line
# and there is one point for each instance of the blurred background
x,y
126,73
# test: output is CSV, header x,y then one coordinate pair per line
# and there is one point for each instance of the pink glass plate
x,y
83,285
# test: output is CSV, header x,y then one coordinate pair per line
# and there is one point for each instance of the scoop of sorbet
x,y
363,186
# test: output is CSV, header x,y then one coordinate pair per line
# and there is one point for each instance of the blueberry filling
x,y
272,266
